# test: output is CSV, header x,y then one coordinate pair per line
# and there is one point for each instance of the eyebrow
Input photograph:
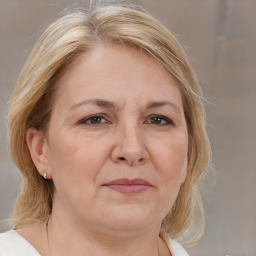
x,y
98,102
111,105
158,104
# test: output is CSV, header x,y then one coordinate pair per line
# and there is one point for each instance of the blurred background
x,y
219,36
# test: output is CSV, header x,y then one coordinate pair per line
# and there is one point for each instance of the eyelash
x,y
90,118
101,116
162,118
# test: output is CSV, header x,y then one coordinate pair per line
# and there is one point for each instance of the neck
x,y
68,239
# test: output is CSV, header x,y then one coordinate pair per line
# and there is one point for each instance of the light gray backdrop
x,y
219,37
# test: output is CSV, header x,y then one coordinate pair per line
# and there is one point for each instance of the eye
x,y
94,120
159,120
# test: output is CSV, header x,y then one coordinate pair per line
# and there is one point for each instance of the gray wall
x,y
219,37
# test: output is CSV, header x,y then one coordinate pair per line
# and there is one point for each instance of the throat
x,y
102,246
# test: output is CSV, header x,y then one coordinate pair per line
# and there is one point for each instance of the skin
x,y
139,132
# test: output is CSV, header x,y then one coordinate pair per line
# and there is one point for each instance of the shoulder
x,y
13,244
176,249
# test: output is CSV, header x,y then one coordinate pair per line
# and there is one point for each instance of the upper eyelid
x,y
161,116
158,115
91,116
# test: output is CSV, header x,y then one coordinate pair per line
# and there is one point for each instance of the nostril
x,y
122,158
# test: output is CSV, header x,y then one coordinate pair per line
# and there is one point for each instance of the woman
x,y
106,125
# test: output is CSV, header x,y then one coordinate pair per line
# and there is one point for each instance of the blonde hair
x,y
30,105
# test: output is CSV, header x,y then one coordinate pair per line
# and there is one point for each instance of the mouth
x,y
127,186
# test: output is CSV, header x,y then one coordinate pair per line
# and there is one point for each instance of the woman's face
x,y
117,141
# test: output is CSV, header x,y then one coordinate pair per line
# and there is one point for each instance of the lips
x,y
127,186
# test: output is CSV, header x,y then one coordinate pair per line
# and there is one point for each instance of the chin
x,y
132,221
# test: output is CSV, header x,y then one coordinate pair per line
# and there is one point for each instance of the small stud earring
x,y
45,175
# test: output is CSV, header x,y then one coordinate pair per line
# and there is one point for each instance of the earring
x,y
45,175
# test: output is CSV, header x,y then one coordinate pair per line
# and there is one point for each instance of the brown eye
x,y
159,120
95,120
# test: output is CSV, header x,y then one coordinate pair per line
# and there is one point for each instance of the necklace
x,y
47,235
46,227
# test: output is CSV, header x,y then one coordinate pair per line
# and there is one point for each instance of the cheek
x,y
172,158
73,161
173,174
171,162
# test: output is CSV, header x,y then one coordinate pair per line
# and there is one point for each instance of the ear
x,y
39,150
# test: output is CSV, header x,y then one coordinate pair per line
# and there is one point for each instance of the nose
x,y
130,147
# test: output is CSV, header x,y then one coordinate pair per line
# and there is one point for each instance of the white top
x,y
13,244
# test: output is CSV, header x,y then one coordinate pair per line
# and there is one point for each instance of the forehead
x,y
117,72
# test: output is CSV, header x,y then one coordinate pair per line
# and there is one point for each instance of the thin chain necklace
x,y
47,234
46,227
